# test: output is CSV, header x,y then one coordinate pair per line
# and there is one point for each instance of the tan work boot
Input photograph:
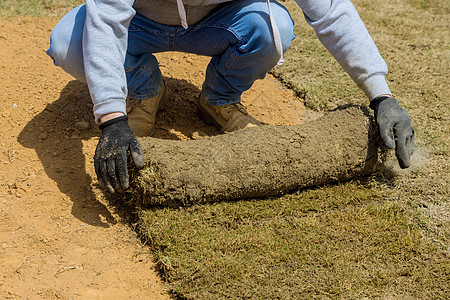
x,y
227,118
142,113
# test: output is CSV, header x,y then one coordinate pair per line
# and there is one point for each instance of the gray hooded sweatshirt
x,y
335,22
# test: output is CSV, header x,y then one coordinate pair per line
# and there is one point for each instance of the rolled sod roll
x,y
259,161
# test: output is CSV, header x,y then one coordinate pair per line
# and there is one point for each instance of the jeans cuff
x,y
218,101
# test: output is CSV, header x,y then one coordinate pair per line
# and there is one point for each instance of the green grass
x,y
36,8
386,236
343,241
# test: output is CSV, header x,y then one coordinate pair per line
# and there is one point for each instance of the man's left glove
x,y
110,158
394,124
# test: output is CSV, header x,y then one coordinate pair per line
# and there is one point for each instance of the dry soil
x,y
59,236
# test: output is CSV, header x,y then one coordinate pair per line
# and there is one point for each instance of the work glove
x,y
110,159
395,128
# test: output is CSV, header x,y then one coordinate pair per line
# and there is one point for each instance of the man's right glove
x,y
110,159
394,124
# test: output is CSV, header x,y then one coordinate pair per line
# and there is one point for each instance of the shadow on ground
x,y
64,137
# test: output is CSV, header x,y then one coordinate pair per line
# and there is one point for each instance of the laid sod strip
x,y
259,161
332,243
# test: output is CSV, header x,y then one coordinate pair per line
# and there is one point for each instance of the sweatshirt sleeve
x,y
339,27
105,40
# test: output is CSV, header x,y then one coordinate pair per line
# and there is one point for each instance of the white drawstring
x,y
182,13
275,31
276,36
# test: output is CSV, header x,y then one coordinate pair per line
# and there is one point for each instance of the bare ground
x,y
59,237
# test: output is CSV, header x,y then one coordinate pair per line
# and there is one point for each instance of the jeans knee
x,y
261,35
58,47
286,28
285,24
66,43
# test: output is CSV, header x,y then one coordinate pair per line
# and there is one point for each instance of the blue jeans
x,y
237,35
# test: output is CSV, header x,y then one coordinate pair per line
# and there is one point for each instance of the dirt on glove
x,y
259,161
